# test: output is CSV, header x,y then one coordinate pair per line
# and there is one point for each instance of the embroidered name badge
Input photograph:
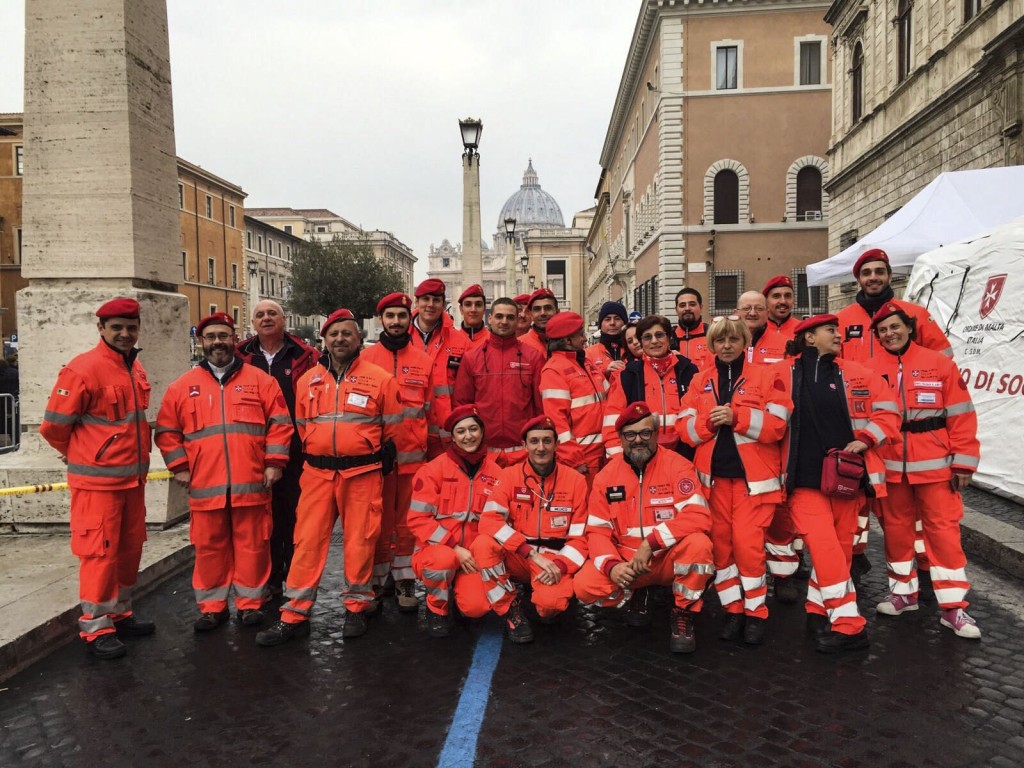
x,y
559,522
522,493
562,509
664,514
667,500
854,332
615,493
929,384
358,400
927,398
860,392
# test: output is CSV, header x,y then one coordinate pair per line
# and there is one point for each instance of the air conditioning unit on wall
x,y
812,215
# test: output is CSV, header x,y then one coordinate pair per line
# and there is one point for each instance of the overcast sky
x,y
354,106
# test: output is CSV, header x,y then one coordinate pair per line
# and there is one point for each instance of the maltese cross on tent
x,y
993,291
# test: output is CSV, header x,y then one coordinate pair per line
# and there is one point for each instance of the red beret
x,y
542,293
813,322
336,317
563,325
539,422
394,300
430,287
522,299
633,413
888,309
473,290
779,281
874,254
460,413
119,308
217,318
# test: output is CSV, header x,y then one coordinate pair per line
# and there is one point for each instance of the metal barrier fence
x,y
10,423
22,490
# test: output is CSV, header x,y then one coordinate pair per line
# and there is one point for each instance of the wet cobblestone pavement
x,y
997,507
589,692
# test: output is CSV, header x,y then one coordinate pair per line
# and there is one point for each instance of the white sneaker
x,y
961,624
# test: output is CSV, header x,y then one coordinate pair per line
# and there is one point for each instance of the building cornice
x,y
210,178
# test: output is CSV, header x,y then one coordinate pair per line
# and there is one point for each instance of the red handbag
x,y
842,474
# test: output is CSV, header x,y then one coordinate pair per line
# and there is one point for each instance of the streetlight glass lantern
x,y
524,261
510,226
471,130
252,264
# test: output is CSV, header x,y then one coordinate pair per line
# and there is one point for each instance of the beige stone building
x,y
714,158
553,253
925,87
268,264
323,224
12,169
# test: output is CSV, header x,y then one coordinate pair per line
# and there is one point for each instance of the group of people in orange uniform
x,y
508,466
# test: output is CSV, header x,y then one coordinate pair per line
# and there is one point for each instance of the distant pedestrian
x,y
96,419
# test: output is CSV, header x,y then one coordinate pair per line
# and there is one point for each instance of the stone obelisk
x,y
100,216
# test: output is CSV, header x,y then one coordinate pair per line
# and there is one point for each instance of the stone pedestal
x,y
100,218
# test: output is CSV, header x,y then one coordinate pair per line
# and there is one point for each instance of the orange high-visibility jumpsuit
x,y
663,505
445,348
445,513
226,433
96,418
940,436
573,397
861,345
741,508
827,523
412,370
343,420
528,512
693,345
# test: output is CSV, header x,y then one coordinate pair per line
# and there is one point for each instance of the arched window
x,y
903,34
808,194
727,197
857,82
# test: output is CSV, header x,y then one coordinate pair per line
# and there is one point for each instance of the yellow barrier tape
x,y
23,490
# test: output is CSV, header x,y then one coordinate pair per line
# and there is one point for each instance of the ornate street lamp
x,y
510,256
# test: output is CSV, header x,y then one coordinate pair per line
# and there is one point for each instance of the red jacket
x,y
445,347
446,502
411,369
475,338
770,346
502,378
347,418
574,396
96,417
226,433
861,345
761,410
533,339
940,427
550,513
662,504
870,406
599,355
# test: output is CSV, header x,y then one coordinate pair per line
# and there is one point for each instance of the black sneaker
x,y
683,638
209,621
638,609
281,632
517,625
438,624
107,647
355,625
860,566
134,627
817,624
753,633
837,642
733,629
786,590
251,617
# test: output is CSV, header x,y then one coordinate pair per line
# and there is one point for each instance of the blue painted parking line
x,y
460,746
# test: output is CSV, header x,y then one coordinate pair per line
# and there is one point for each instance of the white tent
x,y
973,290
955,206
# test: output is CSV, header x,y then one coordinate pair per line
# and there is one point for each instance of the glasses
x,y
631,435
217,337
720,318
654,336
756,308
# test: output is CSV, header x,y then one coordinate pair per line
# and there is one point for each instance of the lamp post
x,y
510,257
472,258
254,294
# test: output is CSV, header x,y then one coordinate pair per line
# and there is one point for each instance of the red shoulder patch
x,y
686,486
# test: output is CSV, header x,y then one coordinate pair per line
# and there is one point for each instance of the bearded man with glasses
x,y
647,525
